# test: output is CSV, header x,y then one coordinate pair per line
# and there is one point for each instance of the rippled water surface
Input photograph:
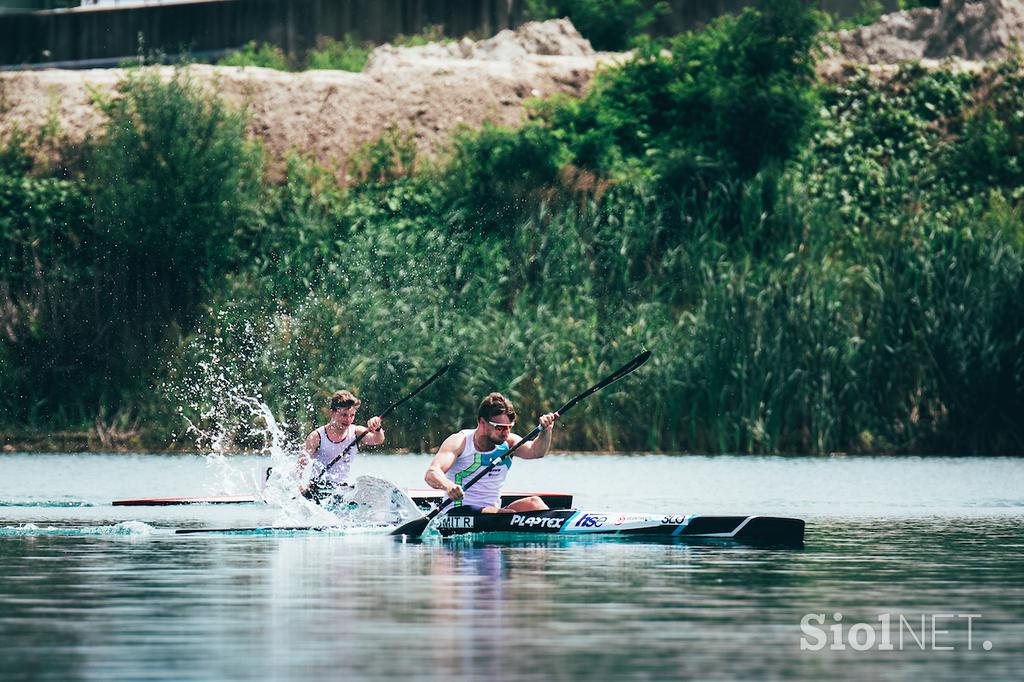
x,y
90,591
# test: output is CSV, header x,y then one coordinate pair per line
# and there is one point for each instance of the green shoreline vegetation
x,y
818,267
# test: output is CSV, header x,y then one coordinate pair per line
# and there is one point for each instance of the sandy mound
x,y
557,37
959,29
427,90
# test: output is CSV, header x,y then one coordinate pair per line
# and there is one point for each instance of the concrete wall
x,y
689,14
213,25
103,36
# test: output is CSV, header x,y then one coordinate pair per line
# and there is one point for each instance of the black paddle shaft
x,y
630,366
391,408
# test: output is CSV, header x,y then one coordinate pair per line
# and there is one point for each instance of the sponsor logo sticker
x,y
591,521
521,521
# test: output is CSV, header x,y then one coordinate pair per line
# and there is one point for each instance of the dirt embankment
x,y
428,91
431,90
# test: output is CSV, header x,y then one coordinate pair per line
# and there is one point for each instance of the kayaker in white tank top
x,y
487,491
330,440
328,450
464,453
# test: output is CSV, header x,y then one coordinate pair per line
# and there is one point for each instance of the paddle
x,y
417,526
314,486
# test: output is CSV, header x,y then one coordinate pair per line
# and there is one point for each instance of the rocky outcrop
x,y
557,37
961,29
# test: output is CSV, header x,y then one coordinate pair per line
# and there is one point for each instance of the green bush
x,y
174,179
175,189
430,34
611,25
877,154
258,54
296,236
389,157
989,151
347,54
45,234
14,156
737,95
496,175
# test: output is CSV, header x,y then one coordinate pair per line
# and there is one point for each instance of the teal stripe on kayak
x,y
568,521
684,524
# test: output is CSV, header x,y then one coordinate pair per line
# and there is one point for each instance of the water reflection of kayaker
x,y
325,443
464,453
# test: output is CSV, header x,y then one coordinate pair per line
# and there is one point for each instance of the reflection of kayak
x,y
423,497
751,530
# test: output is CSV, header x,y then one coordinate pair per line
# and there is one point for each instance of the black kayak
x,y
748,530
763,531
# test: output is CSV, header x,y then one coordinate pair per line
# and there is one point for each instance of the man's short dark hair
x,y
342,400
494,405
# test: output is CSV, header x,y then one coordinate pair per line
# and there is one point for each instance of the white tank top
x,y
487,491
328,450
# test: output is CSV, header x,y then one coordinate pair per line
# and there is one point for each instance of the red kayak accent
x,y
172,501
422,496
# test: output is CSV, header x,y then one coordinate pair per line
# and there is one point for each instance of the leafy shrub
x,y
174,178
430,34
45,233
496,175
876,154
739,93
297,235
258,54
989,150
176,188
14,156
608,24
347,54
391,156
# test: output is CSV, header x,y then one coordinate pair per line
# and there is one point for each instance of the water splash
x,y
377,502
222,400
126,528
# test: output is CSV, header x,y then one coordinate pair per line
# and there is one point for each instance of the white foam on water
x,y
134,529
129,528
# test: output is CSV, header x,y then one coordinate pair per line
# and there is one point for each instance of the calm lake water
x,y
95,592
